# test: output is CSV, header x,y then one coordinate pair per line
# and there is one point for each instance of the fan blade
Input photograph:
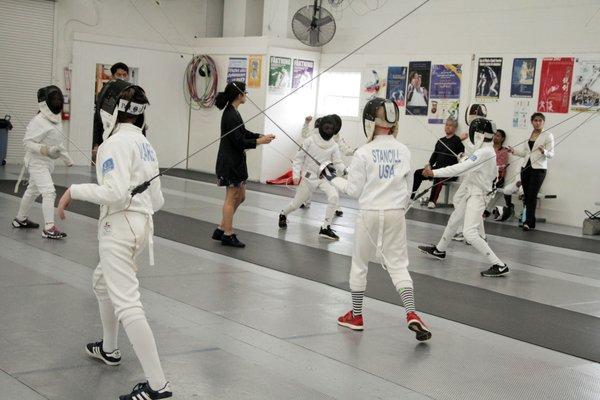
x,y
324,21
314,37
303,19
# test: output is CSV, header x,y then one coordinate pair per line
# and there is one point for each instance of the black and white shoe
x,y
143,391
433,251
95,350
328,233
218,234
53,233
25,224
231,241
339,213
282,221
495,271
305,205
458,237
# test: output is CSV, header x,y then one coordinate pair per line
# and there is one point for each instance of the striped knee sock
x,y
408,299
357,302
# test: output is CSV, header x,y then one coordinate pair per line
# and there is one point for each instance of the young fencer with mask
x,y
125,160
43,144
380,177
305,172
480,171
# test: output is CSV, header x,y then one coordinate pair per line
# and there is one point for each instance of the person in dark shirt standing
x,y
231,168
440,158
118,71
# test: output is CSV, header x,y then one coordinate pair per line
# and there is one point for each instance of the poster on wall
x,y
303,72
442,109
555,85
417,90
521,113
373,84
489,73
237,69
104,75
396,85
586,85
523,77
254,71
280,74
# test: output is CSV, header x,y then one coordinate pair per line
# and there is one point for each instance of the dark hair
x,y
536,115
231,92
500,131
119,65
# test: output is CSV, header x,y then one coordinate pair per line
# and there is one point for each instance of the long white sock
x,y
48,208
110,326
141,337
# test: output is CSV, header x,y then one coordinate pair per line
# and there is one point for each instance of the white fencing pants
x,y
40,182
386,231
468,209
122,237
304,193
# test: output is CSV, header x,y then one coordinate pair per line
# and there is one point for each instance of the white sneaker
x,y
431,204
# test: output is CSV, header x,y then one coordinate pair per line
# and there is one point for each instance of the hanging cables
x,y
202,92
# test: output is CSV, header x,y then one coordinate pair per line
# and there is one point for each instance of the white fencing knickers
x,y
304,192
386,230
468,210
40,182
122,237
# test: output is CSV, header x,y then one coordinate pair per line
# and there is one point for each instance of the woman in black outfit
x,y
536,152
231,169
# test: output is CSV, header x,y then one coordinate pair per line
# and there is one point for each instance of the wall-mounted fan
x,y
313,25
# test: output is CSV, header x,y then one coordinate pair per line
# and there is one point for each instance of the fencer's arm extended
x,y
461,167
305,130
357,176
116,178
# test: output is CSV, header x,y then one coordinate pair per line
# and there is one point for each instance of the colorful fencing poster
x,y
523,77
586,85
396,85
237,69
444,92
489,74
303,72
280,74
417,90
373,84
555,85
254,71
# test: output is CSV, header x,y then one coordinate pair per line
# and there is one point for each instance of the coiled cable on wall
x,y
202,79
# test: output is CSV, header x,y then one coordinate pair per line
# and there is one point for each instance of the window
x,y
339,93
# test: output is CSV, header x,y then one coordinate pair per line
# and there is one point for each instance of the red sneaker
x,y
350,321
416,325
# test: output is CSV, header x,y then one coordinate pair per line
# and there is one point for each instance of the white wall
x,y
160,74
452,31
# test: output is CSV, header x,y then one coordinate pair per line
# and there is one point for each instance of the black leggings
x,y
532,180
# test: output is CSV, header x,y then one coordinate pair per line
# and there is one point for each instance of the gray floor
x,y
228,329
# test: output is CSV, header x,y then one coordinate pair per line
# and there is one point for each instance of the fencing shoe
x,y
95,350
418,327
350,321
433,251
143,391
495,271
328,233
24,224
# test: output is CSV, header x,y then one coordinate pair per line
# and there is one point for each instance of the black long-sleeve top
x,y
441,156
98,126
231,159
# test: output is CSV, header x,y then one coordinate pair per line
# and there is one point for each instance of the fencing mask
x,y
114,103
481,130
474,112
328,127
51,102
380,112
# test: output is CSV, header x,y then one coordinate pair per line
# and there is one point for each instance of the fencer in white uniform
x,y
480,171
380,177
43,143
305,170
125,160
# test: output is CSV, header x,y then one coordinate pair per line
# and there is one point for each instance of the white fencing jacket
x,y
538,159
345,149
42,132
479,169
125,160
324,151
380,175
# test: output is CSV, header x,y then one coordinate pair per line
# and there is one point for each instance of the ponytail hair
x,y
231,92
